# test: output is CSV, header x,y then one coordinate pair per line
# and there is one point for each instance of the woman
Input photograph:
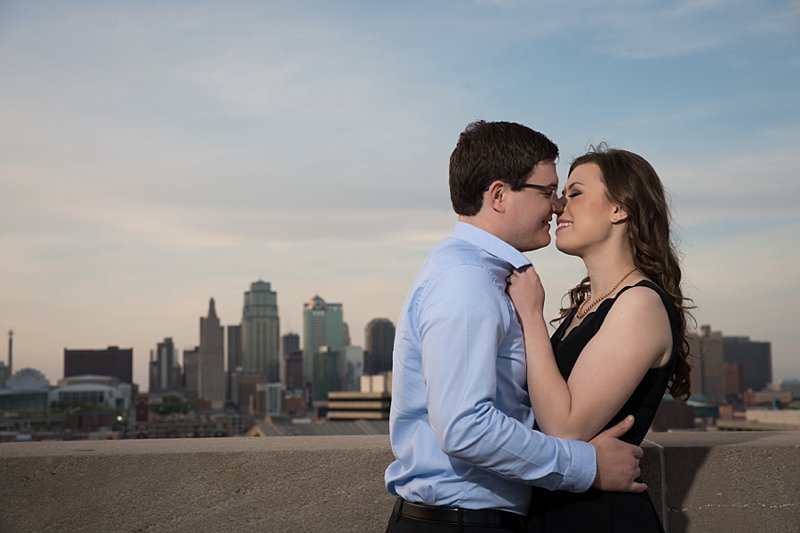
x,y
622,338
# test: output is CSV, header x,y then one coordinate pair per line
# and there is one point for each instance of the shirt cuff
x,y
583,468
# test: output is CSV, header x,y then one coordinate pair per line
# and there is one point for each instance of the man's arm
x,y
462,319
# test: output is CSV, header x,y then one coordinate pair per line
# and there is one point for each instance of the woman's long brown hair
x,y
632,183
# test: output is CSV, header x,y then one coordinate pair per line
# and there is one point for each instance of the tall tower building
x,y
211,359
292,362
235,355
191,372
261,332
162,367
378,346
323,326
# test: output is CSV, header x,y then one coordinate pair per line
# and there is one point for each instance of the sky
x,y
154,155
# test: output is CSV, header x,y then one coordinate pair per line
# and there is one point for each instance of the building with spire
x,y
211,360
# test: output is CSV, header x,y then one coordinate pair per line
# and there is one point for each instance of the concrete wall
x,y
704,482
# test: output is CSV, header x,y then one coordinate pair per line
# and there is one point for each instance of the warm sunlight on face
x,y
586,218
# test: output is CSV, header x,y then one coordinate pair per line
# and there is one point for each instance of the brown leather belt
x,y
457,515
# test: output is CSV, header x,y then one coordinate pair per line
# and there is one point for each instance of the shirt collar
x,y
491,244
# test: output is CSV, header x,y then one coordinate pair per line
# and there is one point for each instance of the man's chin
x,y
538,245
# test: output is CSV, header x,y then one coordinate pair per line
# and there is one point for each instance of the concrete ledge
x,y
195,485
727,481
704,482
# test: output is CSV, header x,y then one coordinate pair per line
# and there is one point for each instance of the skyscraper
x,y
323,325
235,355
211,359
378,346
191,380
261,331
292,364
162,367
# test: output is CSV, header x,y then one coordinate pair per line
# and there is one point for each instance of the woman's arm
x,y
634,336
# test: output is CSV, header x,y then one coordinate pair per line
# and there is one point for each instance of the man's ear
x,y
496,194
619,214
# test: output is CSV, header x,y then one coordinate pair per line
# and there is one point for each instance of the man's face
x,y
530,209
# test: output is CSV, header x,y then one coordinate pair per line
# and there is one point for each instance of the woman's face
x,y
586,221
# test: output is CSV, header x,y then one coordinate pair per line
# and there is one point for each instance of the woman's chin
x,y
564,248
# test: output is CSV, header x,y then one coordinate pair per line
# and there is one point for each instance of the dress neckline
x,y
571,317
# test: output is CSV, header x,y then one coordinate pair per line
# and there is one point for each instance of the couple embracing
x,y
495,424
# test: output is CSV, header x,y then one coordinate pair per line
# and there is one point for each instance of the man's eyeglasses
x,y
548,190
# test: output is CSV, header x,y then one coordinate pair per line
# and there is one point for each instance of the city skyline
x,y
155,156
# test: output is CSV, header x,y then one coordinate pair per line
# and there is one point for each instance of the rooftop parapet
x,y
702,482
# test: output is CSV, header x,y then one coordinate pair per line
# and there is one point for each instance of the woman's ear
x,y
618,214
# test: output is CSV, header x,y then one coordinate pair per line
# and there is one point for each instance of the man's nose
x,y
558,205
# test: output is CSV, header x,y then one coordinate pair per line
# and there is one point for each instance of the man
x,y
460,422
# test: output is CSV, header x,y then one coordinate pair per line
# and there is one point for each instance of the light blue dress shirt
x,y
460,421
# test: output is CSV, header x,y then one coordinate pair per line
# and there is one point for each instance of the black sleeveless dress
x,y
597,511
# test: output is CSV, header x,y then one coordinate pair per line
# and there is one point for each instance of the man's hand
x,y
617,461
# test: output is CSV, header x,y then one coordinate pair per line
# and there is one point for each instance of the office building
x,y
235,355
354,367
6,371
705,357
244,391
290,343
163,367
191,379
271,398
112,361
725,367
261,331
378,346
292,369
323,325
329,373
755,357
211,359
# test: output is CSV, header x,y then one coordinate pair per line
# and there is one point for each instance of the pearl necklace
x,y
583,309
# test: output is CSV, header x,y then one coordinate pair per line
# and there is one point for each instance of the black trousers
x,y
405,524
